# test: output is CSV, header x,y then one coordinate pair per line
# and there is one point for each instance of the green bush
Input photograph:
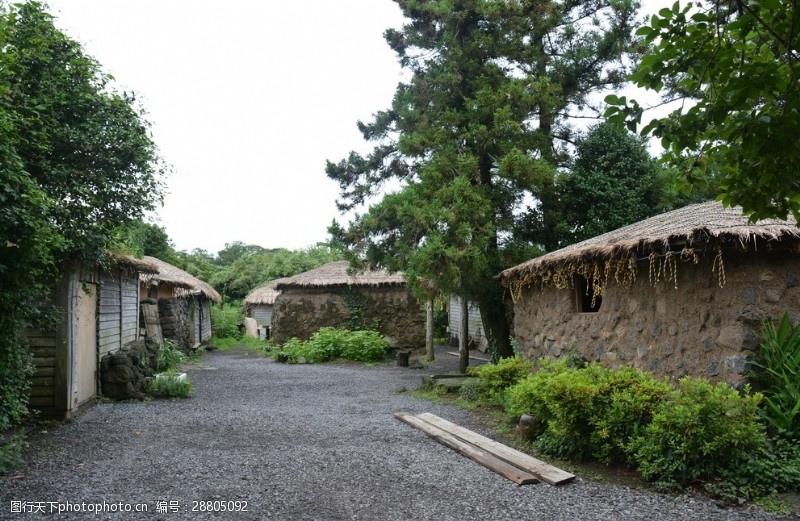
x,y
169,357
225,320
586,413
168,385
330,343
777,374
494,379
701,434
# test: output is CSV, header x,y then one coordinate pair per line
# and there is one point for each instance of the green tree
x,y
613,182
733,70
480,126
143,238
76,162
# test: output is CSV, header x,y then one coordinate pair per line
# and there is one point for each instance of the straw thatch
x,y
679,234
185,283
139,265
336,274
265,295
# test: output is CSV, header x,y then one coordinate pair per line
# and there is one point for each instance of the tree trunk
x,y
495,322
463,333
429,331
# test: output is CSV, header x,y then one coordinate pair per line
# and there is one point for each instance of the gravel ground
x,y
299,443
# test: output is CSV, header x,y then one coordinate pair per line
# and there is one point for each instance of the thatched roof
x,y
677,233
171,276
336,274
265,295
139,265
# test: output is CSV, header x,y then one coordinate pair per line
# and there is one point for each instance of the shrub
x,y
777,373
700,434
168,384
330,343
225,320
494,379
169,357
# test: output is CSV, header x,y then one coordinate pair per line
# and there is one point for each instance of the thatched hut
x,y
331,296
98,314
680,293
258,303
184,303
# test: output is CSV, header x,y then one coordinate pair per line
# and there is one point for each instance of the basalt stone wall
x,y
123,374
698,329
175,321
391,310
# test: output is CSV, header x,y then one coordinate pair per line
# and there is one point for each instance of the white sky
x,y
247,100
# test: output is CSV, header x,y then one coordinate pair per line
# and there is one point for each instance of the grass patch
x,y
170,385
11,453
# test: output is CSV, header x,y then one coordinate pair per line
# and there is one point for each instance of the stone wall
x,y
391,310
175,321
123,375
697,329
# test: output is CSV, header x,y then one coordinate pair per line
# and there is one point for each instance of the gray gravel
x,y
300,443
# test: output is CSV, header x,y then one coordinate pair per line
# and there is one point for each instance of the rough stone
x,y
737,364
712,369
772,295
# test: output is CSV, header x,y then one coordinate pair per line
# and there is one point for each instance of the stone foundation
x,y
123,374
175,321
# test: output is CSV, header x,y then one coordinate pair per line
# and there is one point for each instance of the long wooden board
x,y
545,472
476,454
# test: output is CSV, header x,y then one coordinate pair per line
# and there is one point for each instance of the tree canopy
x,y
733,70
76,162
477,131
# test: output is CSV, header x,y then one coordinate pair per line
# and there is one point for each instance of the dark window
x,y
584,296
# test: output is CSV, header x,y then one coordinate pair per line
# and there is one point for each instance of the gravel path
x,y
299,443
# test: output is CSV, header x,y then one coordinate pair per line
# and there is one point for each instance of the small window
x,y
584,296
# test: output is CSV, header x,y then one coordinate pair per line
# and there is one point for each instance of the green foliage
x,y
733,69
169,357
225,320
140,238
256,267
589,412
329,344
167,384
11,453
702,434
77,162
474,132
494,379
612,183
777,374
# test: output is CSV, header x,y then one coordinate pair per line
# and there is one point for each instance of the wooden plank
x,y
43,351
41,401
44,361
545,472
471,357
474,453
42,341
44,371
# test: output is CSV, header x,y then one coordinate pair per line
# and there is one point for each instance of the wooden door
x,y
84,374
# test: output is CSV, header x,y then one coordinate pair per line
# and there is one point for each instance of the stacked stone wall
x,y
175,321
391,310
123,375
698,329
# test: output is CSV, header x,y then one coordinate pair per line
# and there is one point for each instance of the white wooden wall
x,y
474,322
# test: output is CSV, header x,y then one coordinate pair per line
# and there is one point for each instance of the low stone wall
x,y
391,310
175,321
123,374
697,329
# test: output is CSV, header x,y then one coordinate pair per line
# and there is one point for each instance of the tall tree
x,y
76,162
733,69
479,128
613,182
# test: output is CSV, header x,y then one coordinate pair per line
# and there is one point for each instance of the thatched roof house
x,y
678,293
184,303
333,296
180,283
258,303
98,314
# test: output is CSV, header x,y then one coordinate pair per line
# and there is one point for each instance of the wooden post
x,y
463,334
429,331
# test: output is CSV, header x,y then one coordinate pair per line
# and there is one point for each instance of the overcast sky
x,y
247,100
